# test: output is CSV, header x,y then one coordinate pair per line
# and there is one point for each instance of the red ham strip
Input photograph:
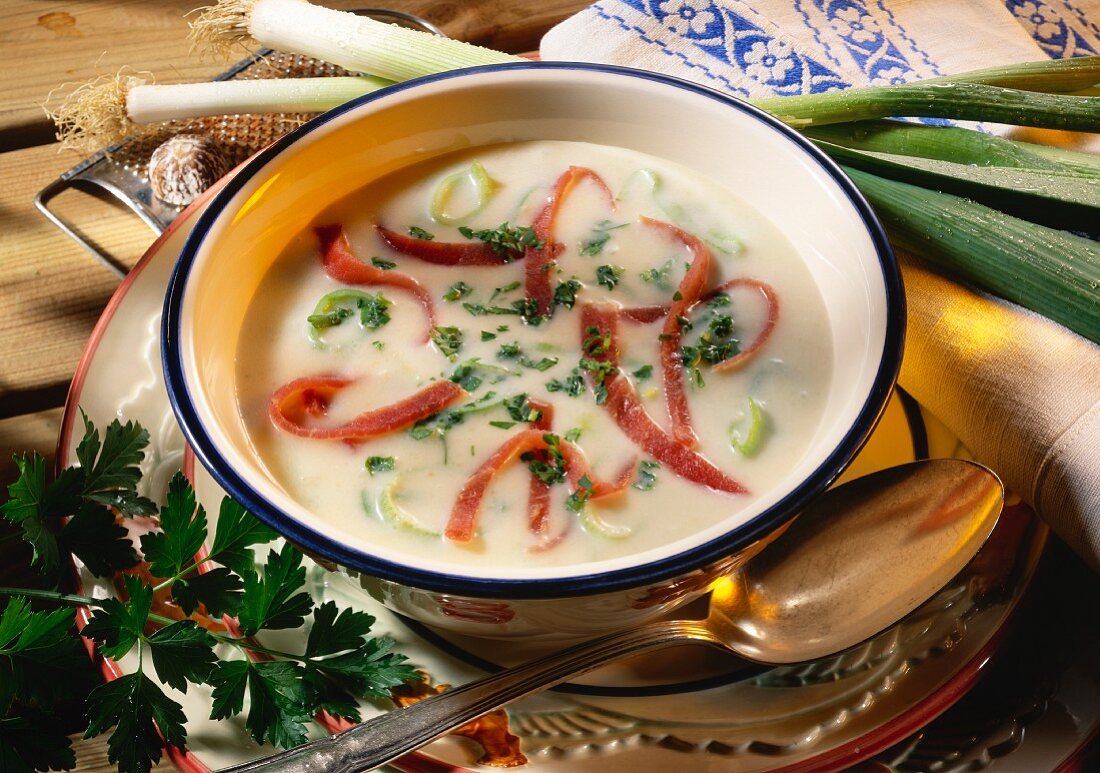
x,y
310,396
342,265
463,522
538,498
645,315
441,253
630,415
540,261
672,366
770,297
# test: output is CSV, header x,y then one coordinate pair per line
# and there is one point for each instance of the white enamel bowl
x,y
279,192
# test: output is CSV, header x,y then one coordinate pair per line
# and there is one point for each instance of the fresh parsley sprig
x,y
339,663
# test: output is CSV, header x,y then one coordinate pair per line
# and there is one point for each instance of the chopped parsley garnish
x,y
448,339
379,345
339,305
502,328
385,265
377,464
573,435
439,424
643,372
504,290
457,291
487,336
374,311
502,424
507,242
524,307
576,500
609,276
520,409
548,465
417,232
510,351
646,479
596,345
659,276
595,243
716,344
565,294
465,375
572,385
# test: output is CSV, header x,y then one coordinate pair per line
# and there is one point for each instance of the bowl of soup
x,y
538,349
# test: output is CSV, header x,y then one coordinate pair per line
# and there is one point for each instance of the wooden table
x,y
51,291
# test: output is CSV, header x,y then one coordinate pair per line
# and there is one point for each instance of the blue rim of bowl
x,y
575,585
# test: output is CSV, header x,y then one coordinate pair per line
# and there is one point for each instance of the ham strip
x,y
310,396
540,261
342,265
441,253
631,417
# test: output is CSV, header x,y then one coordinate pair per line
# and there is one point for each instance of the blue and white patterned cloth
x,y
756,48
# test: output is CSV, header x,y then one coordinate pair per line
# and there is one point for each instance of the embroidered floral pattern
x,y
769,62
686,17
733,35
855,24
1052,29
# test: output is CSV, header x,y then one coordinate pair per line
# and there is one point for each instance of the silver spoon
x,y
855,562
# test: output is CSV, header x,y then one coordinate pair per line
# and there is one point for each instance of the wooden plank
x,y
51,291
74,42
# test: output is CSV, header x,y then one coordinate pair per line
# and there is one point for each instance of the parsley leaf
x,y
268,601
609,276
277,709
457,291
94,535
595,243
218,589
237,531
183,530
33,740
117,626
385,265
27,508
111,473
646,479
565,294
572,385
182,652
448,340
378,464
131,704
659,276
576,500
417,232
507,242
643,372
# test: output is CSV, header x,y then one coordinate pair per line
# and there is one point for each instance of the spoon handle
x,y
389,736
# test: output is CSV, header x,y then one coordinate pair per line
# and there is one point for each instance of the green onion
x,y
357,43
747,443
594,524
1057,200
477,178
1048,75
108,109
945,143
394,515
1051,272
955,100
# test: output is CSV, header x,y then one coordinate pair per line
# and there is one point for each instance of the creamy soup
x,y
537,353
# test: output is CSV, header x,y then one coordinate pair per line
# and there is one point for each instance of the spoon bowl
x,y
855,562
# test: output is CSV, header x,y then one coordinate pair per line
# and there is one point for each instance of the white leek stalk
x,y
357,43
106,110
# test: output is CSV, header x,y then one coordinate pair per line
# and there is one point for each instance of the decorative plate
x,y
683,706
